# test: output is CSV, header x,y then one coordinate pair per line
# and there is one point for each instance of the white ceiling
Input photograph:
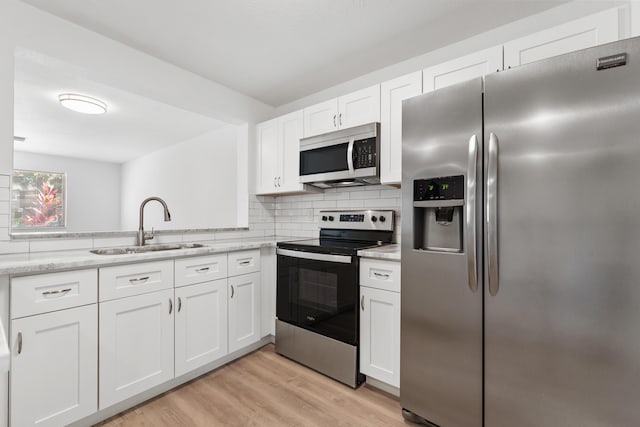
x,y
278,51
133,125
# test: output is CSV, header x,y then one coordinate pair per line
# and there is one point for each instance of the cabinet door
x,y
380,335
201,325
268,136
462,69
291,131
321,118
136,345
54,367
392,94
359,108
582,33
244,310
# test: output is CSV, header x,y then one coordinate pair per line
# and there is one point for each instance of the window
x,y
38,200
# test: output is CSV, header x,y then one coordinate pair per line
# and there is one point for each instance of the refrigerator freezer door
x,y
562,332
441,337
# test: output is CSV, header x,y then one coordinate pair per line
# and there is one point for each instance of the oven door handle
x,y
344,259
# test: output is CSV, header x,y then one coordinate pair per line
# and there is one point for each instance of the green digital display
x,y
431,187
445,187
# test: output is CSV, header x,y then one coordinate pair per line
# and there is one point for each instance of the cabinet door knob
x,y
232,291
19,342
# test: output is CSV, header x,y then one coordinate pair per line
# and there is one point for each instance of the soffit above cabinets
x,y
278,51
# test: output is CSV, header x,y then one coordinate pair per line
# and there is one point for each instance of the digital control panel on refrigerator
x,y
443,188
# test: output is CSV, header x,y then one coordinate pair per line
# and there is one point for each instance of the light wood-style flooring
x,y
264,389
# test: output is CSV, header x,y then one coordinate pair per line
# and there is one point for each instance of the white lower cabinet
x,y
244,310
54,367
380,335
201,325
136,345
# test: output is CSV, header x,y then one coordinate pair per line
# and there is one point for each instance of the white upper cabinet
x,y
279,155
321,118
353,109
582,33
392,93
461,69
289,155
359,108
268,147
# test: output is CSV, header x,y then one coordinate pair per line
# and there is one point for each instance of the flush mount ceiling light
x,y
82,103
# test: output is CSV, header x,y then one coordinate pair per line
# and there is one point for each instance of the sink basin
x,y
144,249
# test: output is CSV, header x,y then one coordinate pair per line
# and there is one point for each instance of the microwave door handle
x,y
350,156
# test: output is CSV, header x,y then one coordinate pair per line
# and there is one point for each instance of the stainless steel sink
x,y
144,249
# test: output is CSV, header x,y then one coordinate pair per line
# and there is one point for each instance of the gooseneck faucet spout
x,y
142,236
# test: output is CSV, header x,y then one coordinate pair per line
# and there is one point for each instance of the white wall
x,y
93,189
197,178
109,62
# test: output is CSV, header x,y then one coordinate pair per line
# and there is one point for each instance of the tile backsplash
x,y
298,216
287,216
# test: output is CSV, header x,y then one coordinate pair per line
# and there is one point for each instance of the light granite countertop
x,y
386,252
40,262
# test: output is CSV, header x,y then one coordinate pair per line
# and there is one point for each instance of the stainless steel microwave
x,y
342,158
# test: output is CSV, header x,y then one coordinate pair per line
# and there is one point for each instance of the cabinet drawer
x,y
378,274
50,292
201,269
135,279
244,262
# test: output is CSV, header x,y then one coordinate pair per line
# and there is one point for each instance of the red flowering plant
x,y
38,199
45,207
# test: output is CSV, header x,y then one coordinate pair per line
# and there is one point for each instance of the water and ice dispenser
x,y
438,214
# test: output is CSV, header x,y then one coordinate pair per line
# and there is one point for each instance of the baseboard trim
x,y
377,384
163,388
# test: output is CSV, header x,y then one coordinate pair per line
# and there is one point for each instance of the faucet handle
x,y
149,236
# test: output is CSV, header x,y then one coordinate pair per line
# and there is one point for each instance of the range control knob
x,y
382,219
324,217
330,218
374,219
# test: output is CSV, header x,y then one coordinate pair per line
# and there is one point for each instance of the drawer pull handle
x,y
19,342
385,276
362,302
179,304
170,306
202,270
245,262
232,291
138,280
59,291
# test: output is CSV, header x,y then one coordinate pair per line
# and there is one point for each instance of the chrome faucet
x,y
142,236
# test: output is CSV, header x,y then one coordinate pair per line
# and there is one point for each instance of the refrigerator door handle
x,y
470,229
492,214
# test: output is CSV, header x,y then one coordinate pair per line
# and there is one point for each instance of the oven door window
x,y
332,158
320,296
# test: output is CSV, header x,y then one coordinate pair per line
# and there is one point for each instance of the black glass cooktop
x,y
327,245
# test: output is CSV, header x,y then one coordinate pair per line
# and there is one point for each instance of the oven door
x,y
319,292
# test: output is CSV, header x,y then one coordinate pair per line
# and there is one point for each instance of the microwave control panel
x,y
443,188
364,153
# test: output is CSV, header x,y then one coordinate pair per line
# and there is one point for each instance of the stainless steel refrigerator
x,y
521,246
